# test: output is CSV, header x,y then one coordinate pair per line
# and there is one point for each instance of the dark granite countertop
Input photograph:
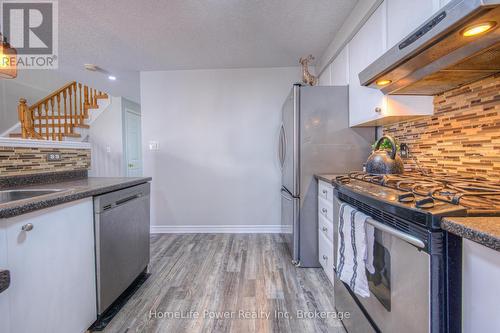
x,y
70,191
482,230
329,178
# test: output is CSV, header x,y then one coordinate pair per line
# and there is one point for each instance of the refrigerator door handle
x,y
280,147
285,144
281,150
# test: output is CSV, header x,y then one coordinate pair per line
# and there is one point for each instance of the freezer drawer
x,y
122,241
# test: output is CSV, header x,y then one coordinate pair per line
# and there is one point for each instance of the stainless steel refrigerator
x,y
314,138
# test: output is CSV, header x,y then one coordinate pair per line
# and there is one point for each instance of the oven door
x,y
399,298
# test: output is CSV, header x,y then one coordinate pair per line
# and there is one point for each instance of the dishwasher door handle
x,y
127,199
396,233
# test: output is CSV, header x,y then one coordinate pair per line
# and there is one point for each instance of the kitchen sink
x,y
14,195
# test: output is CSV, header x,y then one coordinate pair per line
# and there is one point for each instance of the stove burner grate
x,y
473,193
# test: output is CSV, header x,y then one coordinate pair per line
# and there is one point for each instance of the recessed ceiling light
x,y
383,82
112,78
477,29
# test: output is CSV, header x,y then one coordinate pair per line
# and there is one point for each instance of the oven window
x,y
380,281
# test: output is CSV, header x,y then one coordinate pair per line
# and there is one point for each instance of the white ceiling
x,y
129,36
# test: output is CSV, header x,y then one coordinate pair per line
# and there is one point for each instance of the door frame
x,y
135,109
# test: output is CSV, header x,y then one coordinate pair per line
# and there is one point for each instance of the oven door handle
x,y
396,233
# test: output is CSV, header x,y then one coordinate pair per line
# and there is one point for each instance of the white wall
x,y
217,131
106,137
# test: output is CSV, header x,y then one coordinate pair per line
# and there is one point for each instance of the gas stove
x,y
422,198
402,209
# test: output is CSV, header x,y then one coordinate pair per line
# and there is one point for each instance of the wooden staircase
x,y
56,116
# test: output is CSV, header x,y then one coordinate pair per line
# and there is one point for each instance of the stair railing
x,y
56,115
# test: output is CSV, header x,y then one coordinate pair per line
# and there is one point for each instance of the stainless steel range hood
x,y
439,56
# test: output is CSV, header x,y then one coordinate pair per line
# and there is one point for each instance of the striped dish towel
x,y
355,250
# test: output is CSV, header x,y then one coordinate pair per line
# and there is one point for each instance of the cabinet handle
x,y
27,227
325,229
325,191
4,280
325,257
324,210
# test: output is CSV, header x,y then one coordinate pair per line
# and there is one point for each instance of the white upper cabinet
x,y
337,73
390,23
442,3
366,46
405,16
325,78
340,68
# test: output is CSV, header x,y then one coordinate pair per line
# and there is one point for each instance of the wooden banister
x,y
57,114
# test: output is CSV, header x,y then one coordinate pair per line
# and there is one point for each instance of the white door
x,y
133,143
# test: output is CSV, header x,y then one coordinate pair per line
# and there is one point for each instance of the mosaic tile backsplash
x,y
15,161
463,135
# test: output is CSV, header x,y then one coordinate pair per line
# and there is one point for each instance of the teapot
x,y
383,162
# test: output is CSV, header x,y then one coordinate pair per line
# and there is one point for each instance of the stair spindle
x,y
71,124
81,104
66,128
87,103
58,97
39,118
76,121
52,109
46,122
50,124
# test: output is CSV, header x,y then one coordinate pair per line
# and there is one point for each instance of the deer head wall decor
x,y
307,77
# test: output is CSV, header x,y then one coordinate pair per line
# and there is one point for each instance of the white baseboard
x,y
217,229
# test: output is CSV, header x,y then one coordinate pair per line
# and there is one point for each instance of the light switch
x,y
108,149
154,145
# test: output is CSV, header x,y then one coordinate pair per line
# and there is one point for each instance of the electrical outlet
x,y
54,157
154,146
404,150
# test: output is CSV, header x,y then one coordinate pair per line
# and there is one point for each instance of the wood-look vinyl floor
x,y
202,276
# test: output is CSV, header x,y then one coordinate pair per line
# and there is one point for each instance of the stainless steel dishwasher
x,y
122,241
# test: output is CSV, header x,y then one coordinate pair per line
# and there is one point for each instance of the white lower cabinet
x,y
480,288
325,229
52,269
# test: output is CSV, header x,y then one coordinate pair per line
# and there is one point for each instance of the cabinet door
x,y
368,106
4,297
340,68
365,47
404,16
480,288
52,269
443,3
325,78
